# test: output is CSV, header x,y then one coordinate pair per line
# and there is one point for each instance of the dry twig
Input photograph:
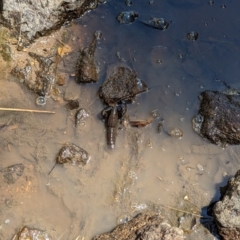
x,y
25,110
179,210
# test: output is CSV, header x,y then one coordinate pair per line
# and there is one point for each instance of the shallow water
x,y
146,169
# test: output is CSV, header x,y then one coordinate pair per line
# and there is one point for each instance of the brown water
x,y
146,170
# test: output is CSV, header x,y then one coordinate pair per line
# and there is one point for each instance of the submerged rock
x,y
27,233
80,116
192,36
12,173
32,19
219,117
187,223
158,23
144,227
227,211
122,84
127,17
175,132
73,154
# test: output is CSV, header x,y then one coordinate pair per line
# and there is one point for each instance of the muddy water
x,y
146,170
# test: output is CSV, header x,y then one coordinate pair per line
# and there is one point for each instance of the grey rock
x,y
30,19
227,211
145,226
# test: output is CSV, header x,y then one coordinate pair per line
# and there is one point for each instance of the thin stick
x,y
92,102
62,235
61,42
196,215
25,110
52,168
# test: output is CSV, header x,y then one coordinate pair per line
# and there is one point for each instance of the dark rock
x,y
227,211
148,226
192,36
32,19
73,104
86,69
122,84
219,117
12,173
32,234
158,23
73,154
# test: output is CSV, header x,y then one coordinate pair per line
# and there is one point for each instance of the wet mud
x,y
149,169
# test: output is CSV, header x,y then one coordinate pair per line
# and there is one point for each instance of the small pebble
x,y
7,221
200,167
225,174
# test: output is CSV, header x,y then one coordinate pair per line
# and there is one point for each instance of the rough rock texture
x,y
12,173
27,233
31,19
220,117
86,69
227,211
147,226
43,81
74,154
122,84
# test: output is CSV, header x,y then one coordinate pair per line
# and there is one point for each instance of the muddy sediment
x,y
145,167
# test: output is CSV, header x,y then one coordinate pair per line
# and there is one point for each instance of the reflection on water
x,y
146,168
